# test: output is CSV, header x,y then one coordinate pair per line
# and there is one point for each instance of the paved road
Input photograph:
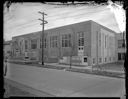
x,y
12,90
65,83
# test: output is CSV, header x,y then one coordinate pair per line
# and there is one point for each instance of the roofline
x,y
64,26
105,27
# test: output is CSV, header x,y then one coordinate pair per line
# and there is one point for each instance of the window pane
x,y
53,41
80,39
45,43
26,45
34,44
66,40
40,42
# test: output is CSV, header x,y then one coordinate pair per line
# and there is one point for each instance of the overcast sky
x,y
22,18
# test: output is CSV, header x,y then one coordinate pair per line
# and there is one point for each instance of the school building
x,y
84,43
121,46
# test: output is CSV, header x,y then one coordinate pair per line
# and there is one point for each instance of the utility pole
x,y
43,23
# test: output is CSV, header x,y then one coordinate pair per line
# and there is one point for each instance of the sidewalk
x,y
87,69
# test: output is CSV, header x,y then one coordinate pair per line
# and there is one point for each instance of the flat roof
x,y
63,27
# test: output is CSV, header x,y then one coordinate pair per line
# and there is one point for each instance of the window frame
x,y
66,40
54,41
80,38
34,44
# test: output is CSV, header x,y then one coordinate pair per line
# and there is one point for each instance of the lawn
x,y
113,66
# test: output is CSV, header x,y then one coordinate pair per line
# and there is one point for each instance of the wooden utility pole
x,y
43,22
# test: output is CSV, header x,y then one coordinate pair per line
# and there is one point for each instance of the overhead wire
x,y
52,18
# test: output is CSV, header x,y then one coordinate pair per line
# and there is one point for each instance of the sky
x,y
22,18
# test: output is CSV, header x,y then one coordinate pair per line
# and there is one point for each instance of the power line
x,y
58,18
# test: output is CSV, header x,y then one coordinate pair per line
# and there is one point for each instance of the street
x,y
64,83
11,90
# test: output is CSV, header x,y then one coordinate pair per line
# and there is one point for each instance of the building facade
x,y
121,46
7,49
84,43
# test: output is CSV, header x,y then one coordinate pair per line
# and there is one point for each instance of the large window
x,y
120,44
16,46
66,40
100,60
80,39
40,42
45,42
26,44
53,41
93,60
33,43
121,56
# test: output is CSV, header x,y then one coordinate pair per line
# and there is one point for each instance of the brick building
x,y
88,43
121,46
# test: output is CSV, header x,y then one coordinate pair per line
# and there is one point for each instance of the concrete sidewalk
x,y
86,67
67,66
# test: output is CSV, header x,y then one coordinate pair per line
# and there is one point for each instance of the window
x,y
40,42
45,43
80,48
26,44
80,39
105,59
53,41
66,40
110,58
100,60
121,56
85,59
93,60
8,52
120,43
33,43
